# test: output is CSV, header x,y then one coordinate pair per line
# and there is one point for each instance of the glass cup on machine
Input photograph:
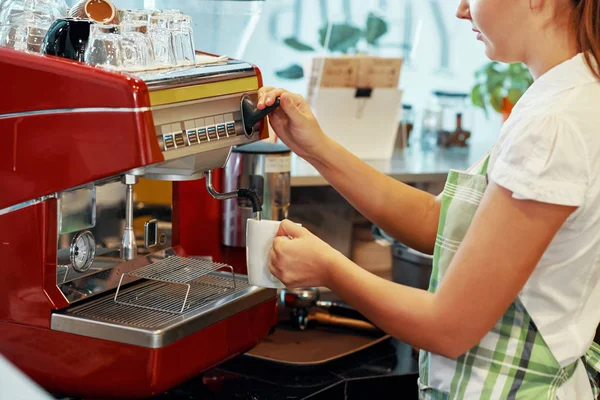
x,y
182,38
180,35
143,40
162,44
24,23
136,45
104,46
26,33
11,10
119,47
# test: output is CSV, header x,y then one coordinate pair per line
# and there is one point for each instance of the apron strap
x,y
591,359
484,167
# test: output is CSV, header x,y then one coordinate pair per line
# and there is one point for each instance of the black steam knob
x,y
252,115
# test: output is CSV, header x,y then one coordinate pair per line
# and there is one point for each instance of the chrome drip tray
x,y
210,299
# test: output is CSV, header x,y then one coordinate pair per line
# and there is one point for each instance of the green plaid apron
x,y
512,361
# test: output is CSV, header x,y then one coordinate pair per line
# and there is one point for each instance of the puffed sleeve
x,y
543,159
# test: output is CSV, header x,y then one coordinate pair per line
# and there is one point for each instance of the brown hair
x,y
586,19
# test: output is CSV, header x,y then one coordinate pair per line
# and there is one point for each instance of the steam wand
x,y
242,193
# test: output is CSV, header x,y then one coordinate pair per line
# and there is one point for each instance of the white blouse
x,y
549,151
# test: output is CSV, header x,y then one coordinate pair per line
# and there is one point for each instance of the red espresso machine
x,y
103,294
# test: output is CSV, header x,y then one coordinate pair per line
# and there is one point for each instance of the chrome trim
x,y
169,331
27,204
180,77
75,110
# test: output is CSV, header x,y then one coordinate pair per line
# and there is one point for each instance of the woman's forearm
x,y
408,314
408,214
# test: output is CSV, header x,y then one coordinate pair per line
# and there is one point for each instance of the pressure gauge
x,y
83,251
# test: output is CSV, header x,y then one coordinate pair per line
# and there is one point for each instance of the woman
x,y
515,291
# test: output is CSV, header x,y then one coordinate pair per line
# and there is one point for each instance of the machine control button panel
x,y
194,132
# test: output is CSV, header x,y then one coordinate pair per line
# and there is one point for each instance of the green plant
x,y
343,38
496,82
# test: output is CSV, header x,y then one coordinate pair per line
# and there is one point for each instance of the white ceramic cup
x,y
259,242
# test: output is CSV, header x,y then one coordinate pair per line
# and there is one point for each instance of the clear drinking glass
x,y
104,46
182,39
26,35
52,9
162,44
25,22
136,45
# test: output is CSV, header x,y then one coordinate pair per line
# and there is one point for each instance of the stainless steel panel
x,y
105,319
190,167
178,77
77,209
108,234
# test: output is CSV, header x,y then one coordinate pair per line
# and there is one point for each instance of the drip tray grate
x,y
203,293
177,285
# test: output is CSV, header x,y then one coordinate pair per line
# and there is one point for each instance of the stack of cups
x,y
143,40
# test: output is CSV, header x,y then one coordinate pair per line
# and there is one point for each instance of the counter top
x,y
407,165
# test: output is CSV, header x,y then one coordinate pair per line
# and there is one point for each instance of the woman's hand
x,y
293,122
303,261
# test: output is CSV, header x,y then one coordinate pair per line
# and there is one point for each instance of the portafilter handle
x,y
323,318
251,115
309,297
341,309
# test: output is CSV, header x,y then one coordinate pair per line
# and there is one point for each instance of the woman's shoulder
x,y
543,155
569,125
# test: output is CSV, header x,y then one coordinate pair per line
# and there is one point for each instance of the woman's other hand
x,y
303,261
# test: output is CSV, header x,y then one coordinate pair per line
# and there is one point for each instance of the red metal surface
x,y
36,82
53,151
24,246
43,154
191,204
85,367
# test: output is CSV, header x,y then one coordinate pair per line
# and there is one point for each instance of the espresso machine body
x,y
265,168
103,292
